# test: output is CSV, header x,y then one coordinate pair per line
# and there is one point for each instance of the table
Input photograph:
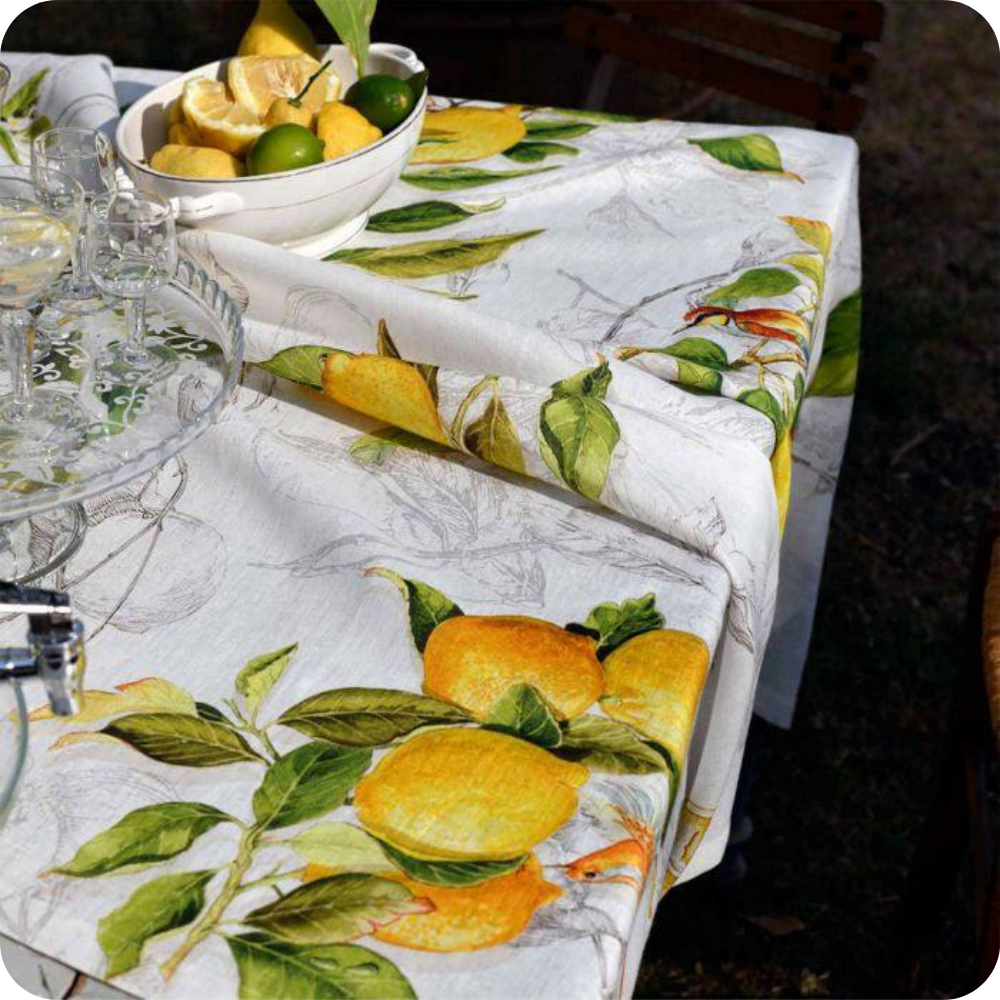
x,y
569,394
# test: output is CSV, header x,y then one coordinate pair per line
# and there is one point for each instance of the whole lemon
x,y
472,660
284,147
654,683
384,100
467,795
195,161
344,129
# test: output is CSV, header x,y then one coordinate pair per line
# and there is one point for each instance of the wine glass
x,y
131,250
86,155
40,216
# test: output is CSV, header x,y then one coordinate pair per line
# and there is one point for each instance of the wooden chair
x,y
960,822
807,57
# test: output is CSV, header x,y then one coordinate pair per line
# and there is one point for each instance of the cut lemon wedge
x,y
256,81
220,122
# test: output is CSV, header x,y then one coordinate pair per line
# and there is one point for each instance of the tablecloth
x,y
340,737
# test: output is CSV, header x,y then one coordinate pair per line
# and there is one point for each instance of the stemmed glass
x,y
40,216
131,250
85,155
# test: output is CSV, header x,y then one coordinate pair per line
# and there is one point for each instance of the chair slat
x,y
735,25
863,19
658,51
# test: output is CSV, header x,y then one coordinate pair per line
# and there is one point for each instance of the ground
x,y
841,798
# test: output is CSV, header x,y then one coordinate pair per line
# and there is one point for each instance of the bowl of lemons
x,y
283,142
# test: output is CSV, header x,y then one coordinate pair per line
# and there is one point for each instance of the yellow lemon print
x,y
781,470
654,682
467,795
472,660
459,134
475,916
386,388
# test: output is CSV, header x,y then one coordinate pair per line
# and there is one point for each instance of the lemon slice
x,y
220,122
256,81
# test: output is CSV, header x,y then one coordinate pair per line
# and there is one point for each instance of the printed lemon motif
x,y
654,682
472,917
257,81
219,121
467,795
459,134
276,30
781,470
195,161
386,388
344,130
472,660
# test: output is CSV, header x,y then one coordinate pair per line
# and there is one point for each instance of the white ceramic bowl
x,y
312,210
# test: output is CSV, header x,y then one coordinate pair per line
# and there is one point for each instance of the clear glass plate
x,y
132,430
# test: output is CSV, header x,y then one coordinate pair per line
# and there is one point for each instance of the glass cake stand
x,y
133,429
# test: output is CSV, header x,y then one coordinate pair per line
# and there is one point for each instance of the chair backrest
x,y
807,57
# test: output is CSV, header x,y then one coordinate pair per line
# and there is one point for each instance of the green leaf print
x,y
23,101
535,152
367,717
183,740
700,351
612,624
302,364
578,432
451,873
760,283
838,365
455,178
377,447
164,904
270,969
424,215
754,152
308,782
761,399
521,711
431,257
808,265
257,678
609,117
340,846
335,909
539,129
493,437
694,376
144,837
605,745
427,607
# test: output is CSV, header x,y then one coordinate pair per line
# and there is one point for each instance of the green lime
x,y
284,147
383,100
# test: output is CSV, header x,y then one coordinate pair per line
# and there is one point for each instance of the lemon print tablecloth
x,y
429,670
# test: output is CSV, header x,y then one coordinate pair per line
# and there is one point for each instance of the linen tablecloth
x,y
565,384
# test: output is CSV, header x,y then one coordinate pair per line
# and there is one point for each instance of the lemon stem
x,y
296,101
